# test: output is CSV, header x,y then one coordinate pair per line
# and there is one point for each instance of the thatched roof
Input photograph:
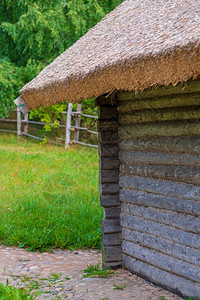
x,y
142,43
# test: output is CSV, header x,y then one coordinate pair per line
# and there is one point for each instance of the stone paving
x,y
59,276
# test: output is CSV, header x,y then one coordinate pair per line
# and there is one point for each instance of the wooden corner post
x,y
19,122
68,125
26,124
109,180
78,122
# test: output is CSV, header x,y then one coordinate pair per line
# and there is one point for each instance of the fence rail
x,y
7,130
68,126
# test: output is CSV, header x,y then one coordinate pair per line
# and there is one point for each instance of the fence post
x,y
68,125
26,124
78,122
19,123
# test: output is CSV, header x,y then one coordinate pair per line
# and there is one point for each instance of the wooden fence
x,y
23,126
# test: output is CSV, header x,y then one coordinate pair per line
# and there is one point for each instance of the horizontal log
x,y
161,187
178,220
109,112
162,129
162,261
175,173
167,232
159,158
146,116
108,163
183,144
112,253
176,284
111,176
159,102
108,150
111,239
175,250
172,203
108,137
8,120
109,200
110,226
108,188
113,265
191,86
111,212
107,125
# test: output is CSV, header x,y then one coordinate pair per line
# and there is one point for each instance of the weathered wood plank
x,y
109,163
146,116
174,189
109,180
177,284
108,137
175,173
113,265
109,200
179,251
108,188
172,203
107,125
108,150
173,234
183,144
191,86
111,176
178,220
163,129
111,212
112,239
159,102
162,261
110,226
159,158
107,112
113,253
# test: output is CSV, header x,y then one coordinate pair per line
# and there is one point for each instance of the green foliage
x,y
37,34
51,115
46,201
34,32
55,276
119,287
10,292
12,78
82,15
54,117
89,108
9,85
96,271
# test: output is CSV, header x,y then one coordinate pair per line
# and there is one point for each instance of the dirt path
x,y
59,275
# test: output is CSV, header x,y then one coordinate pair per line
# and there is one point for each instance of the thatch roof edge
x,y
137,74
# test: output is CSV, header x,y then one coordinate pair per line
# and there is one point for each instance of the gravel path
x,y
59,276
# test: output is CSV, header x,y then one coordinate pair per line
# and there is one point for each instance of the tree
x,y
34,32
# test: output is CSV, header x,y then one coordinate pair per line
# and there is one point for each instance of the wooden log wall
x,y
109,180
159,153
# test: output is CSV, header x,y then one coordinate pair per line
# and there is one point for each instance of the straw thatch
x,y
142,43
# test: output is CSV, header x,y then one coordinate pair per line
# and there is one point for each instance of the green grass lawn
x,y
48,195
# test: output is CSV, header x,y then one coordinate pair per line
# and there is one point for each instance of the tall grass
x,y
48,195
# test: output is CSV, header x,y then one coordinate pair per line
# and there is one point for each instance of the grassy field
x,y
48,196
